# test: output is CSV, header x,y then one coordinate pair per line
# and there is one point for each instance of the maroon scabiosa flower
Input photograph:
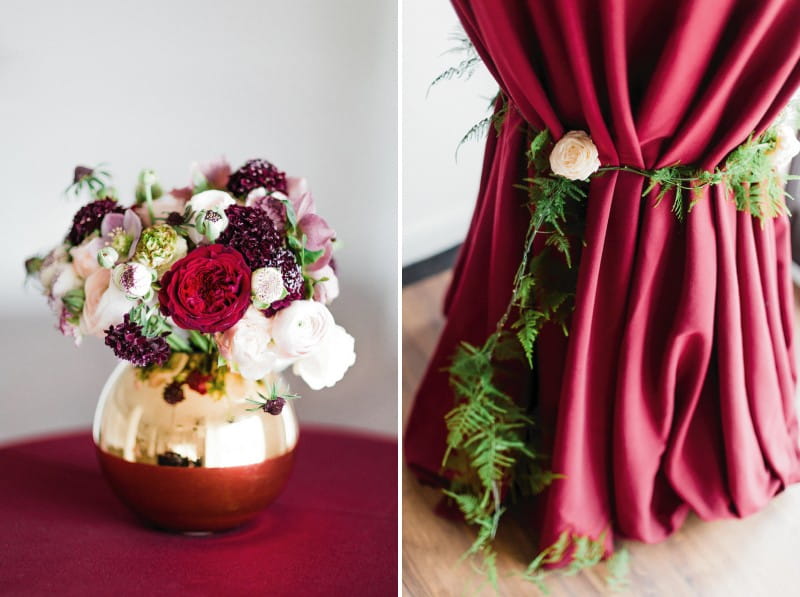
x,y
173,393
293,282
252,233
90,217
274,406
128,343
80,173
175,219
255,174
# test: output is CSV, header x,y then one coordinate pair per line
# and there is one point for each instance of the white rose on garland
x,y
786,146
574,156
246,345
328,364
299,329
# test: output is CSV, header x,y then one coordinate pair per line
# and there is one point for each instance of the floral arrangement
x,y
233,272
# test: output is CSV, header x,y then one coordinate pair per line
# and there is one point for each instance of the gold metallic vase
x,y
204,464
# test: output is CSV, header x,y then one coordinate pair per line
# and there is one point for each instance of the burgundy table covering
x,y
332,532
674,390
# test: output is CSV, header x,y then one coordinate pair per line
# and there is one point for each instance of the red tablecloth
x,y
332,532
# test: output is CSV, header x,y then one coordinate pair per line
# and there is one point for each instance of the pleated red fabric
x,y
674,391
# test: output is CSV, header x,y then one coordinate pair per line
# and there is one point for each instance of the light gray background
x,y
310,85
438,191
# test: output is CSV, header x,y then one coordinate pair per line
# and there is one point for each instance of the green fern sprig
x,y
488,432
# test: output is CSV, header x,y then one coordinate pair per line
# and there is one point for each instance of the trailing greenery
x,y
94,181
466,65
748,176
490,447
491,450
488,431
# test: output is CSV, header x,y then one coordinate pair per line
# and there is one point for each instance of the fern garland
x,y
489,441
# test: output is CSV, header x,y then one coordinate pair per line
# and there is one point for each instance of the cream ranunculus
x,y
246,345
574,156
786,146
105,304
299,329
328,364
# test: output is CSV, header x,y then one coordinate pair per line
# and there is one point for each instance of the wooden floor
x,y
757,556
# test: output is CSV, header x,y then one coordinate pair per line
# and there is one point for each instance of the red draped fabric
x,y
674,391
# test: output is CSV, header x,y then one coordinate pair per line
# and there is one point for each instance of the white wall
x,y
438,192
160,84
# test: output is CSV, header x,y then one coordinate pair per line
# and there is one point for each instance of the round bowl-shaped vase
x,y
208,463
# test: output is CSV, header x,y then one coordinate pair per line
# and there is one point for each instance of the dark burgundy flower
x,y
255,174
252,233
174,218
80,173
274,406
128,343
198,381
284,260
90,217
208,290
173,393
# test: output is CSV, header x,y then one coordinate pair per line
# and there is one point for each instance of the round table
x,y
333,531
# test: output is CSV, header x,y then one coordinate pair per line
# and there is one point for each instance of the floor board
x,y
756,556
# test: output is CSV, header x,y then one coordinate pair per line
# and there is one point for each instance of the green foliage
x,y
499,106
490,441
95,181
748,175
618,566
73,300
466,65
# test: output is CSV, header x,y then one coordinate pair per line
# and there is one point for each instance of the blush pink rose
x,y
104,305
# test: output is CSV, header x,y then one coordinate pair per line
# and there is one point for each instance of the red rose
x,y
208,290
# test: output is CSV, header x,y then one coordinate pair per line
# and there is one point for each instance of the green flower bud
x,y
107,257
211,223
33,265
147,178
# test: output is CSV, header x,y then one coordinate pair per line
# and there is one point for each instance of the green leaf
x,y
73,300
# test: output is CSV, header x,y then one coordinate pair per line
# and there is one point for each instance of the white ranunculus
x,y
65,280
574,156
328,364
299,329
786,147
328,289
105,304
246,345
205,201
